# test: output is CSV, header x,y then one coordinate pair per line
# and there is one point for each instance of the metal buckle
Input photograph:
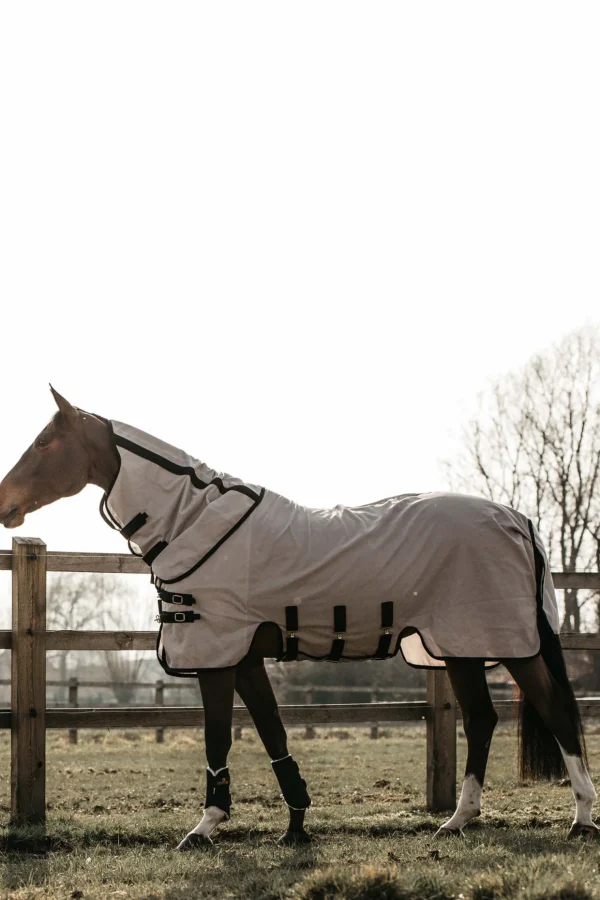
x,y
291,634
176,598
386,630
179,617
157,619
341,636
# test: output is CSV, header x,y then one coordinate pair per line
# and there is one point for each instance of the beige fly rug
x,y
435,575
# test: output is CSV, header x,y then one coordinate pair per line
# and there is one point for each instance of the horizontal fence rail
x,y
28,717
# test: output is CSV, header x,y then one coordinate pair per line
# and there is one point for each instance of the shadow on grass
x,y
67,837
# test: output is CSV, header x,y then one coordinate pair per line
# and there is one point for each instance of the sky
x,y
294,239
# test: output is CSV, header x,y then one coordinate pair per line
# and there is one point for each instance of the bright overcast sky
x,y
295,239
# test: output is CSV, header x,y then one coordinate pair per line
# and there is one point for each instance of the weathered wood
x,y
159,700
28,682
585,581
441,742
114,563
101,640
187,716
374,726
295,716
309,731
73,704
573,641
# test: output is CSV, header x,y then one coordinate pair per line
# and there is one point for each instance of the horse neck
x,y
102,450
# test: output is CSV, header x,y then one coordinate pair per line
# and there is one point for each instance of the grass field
x,y
118,803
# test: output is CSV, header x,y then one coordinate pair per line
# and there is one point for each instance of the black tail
x,y
540,756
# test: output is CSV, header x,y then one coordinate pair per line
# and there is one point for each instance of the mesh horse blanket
x,y
434,575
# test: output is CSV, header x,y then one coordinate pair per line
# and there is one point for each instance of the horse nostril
x,y
6,517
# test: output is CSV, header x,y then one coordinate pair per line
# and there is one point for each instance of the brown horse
x,y
77,448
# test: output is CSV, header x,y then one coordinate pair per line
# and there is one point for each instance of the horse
x,y
78,448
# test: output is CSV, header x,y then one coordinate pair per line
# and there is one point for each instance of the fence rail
x,y
28,717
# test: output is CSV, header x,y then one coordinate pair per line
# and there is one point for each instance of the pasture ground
x,y
118,803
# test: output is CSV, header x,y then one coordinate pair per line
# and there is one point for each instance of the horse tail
x,y
539,752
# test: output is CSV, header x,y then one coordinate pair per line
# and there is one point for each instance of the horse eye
x,y
41,443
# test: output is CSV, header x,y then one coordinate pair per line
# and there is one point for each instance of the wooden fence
x,y
159,686
28,717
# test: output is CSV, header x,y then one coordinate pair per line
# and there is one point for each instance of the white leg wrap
x,y
582,786
469,805
212,817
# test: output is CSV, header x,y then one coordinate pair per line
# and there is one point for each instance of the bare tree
x,y
126,667
535,445
75,602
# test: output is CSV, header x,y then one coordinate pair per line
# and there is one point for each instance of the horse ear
x,y
68,411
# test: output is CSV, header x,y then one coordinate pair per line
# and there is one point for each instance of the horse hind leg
x,y
467,677
253,686
553,716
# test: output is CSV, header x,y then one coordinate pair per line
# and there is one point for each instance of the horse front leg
x,y
467,677
253,685
216,686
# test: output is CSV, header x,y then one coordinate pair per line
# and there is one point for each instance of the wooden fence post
x,y
159,700
375,726
73,703
441,742
309,731
28,682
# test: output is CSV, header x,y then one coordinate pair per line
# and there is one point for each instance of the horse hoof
x,y
293,838
589,832
193,841
444,832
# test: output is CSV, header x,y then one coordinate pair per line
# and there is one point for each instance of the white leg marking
x,y
469,806
582,786
212,817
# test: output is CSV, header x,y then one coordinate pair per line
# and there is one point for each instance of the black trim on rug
x,y
176,469
216,546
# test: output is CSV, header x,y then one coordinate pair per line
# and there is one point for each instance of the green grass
x,y
119,803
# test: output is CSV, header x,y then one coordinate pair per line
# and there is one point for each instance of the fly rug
x,y
456,572
244,574
440,577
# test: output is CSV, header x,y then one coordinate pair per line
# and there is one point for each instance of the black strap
x,y
291,627
178,599
387,622
153,552
339,627
177,617
135,525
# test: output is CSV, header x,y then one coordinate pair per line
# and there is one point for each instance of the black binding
x,y
177,617
387,622
291,627
339,627
135,525
178,599
153,552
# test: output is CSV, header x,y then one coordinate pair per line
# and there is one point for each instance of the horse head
x,y
65,456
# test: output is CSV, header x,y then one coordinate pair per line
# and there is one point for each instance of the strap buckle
x,y
179,617
176,598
